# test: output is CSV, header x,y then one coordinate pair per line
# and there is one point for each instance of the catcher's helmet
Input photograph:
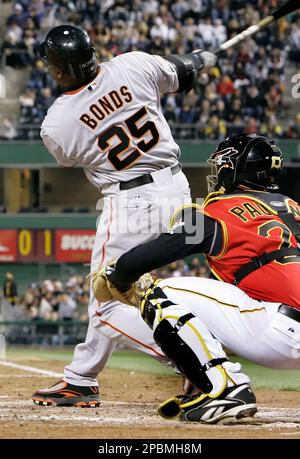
x,y
71,50
249,160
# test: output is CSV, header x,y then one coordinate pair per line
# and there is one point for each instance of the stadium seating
x,y
248,91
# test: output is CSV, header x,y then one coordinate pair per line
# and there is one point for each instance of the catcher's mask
x,y
247,160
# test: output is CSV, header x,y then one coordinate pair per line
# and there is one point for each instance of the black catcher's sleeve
x,y
197,234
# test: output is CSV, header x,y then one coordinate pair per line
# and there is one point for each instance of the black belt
x,y
290,312
144,179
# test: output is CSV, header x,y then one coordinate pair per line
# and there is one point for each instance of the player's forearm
x,y
187,66
196,234
163,250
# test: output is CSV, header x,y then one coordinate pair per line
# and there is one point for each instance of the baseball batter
x,y
110,122
251,238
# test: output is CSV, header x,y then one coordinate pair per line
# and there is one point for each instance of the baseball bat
x,y
284,10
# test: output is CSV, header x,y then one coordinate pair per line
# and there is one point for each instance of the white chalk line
x,y
267,411
47,373
9,364
24,376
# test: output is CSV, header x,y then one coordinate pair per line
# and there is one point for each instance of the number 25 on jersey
x,y
136,130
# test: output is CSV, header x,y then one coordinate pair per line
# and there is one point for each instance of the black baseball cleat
x,y
237,402
65,394
234,402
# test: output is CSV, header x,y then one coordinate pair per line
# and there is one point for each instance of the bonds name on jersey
x,y
114,127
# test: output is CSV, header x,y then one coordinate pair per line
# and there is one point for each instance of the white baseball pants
x,y
251,329
129,218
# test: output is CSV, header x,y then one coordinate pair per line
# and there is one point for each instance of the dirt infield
x,y
128,409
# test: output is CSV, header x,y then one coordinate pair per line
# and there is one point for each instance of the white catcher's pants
x,y
129,218
251,329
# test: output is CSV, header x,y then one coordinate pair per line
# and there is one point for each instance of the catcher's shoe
x,y
65,394
237,402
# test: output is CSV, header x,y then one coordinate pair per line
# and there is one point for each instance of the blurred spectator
x,y
18,16
294,39
204,112
294,128
254,103
215,129
45,310
7,129
16,52
31,296
219,109
226,86
207,32
39,77
272,127
170,114
45,99
31,111
187,114
82,306
67,307
10,291
252,127
237,126
235,109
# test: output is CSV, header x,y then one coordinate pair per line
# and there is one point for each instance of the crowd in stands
x,y
54,300
242,94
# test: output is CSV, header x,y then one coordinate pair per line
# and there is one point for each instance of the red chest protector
x,y
260,250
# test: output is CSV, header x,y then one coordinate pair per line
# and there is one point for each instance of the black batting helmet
x,y
249,160
71,50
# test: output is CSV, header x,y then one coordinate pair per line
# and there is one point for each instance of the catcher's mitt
x,y
104,290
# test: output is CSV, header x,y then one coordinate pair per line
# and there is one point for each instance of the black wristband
x,y
197,59
121,286
185,69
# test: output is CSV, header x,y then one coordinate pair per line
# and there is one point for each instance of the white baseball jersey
x,y
114,127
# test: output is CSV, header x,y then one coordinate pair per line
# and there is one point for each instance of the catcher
x,y
251,239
